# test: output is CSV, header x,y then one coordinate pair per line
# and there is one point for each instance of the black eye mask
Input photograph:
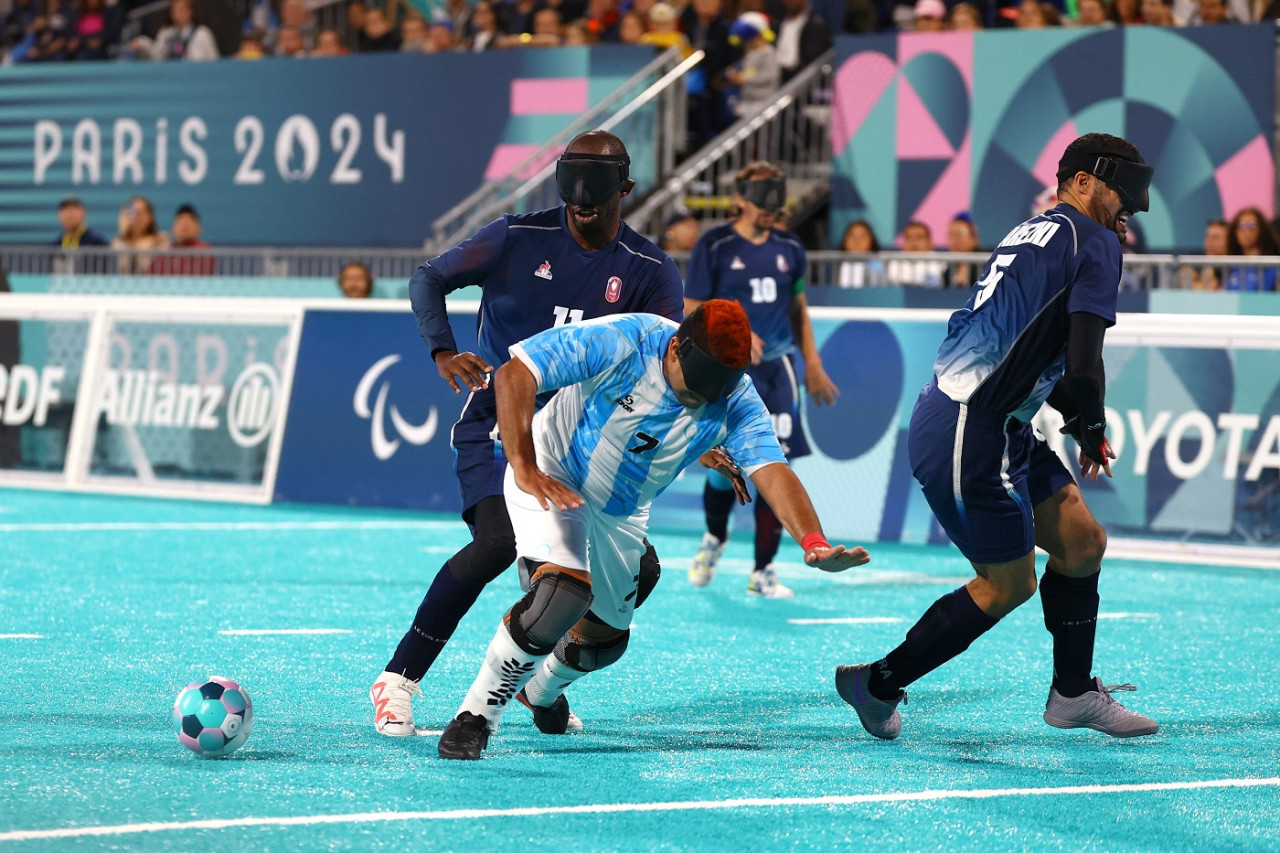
x,y
591,179
705,376
765,193
1129,180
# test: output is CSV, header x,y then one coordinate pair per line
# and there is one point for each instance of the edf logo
x,y
384,448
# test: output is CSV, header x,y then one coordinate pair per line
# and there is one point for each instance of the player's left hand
x,y
719,460
837,558
757,348
1095,451
821,388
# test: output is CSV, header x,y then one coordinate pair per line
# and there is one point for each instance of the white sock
x,y
506,669
551,680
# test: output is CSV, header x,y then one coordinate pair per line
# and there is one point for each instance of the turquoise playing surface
x,y
720,729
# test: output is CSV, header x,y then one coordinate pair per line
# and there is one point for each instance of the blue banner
x,y
365,151
369,417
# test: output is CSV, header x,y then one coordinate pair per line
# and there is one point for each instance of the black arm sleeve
x,y
1085,381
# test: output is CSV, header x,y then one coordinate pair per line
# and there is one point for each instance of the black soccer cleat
x,y
465,737
550,721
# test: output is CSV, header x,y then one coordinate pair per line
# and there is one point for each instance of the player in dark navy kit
x,y
763,268
536,271
1031,333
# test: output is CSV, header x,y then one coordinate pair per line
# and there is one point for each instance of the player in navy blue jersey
x,y
763,268
1031,333
536,270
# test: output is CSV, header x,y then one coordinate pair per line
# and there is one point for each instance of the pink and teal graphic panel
x,y
927,125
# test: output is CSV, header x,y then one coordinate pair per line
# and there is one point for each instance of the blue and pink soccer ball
x,y
213,718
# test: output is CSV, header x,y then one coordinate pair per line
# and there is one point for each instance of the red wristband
x,y
814,540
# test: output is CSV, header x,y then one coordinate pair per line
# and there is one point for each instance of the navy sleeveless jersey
x,y
1006,349
534,275
763,278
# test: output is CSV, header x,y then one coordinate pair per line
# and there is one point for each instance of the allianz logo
x,y
144,398
377,413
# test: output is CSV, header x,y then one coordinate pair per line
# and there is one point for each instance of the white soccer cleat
x,y
1097,710
764,583
574,724
704,562
392,696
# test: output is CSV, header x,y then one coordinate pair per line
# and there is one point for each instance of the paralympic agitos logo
x,y
383,447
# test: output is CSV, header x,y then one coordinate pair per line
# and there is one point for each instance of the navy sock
x,y
768,534
1071,615
945,630
445,603
718,504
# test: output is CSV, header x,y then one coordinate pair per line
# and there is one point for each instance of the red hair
x,y
728,332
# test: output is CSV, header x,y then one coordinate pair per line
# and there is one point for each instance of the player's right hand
x,y
836,559
467,366
1095,451
548,490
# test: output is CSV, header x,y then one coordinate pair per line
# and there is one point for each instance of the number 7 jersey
x,y
1006,349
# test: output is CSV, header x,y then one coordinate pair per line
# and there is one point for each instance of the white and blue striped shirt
x,y
616,431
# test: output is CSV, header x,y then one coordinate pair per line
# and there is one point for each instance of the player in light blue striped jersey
x,y
640,399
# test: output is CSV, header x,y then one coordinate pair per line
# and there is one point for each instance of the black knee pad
x,y
548,610
650,573
587,655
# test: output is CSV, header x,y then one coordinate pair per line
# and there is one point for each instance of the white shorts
x,y
606,547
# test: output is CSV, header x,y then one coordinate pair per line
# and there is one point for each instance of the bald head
x,y
596,142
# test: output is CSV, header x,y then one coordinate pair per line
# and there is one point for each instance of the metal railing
x,y
792,131
648,112
826,268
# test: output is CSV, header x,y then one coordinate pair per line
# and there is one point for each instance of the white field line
x,y
619,808
850,620
290,632
21,636
1123,615
113,526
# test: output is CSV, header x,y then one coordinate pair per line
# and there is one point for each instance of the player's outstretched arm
x,y
516,391
786,496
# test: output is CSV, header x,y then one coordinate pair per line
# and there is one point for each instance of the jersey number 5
x,y
987,285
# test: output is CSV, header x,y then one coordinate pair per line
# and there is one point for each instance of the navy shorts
x,y
478,460
776,384
982,473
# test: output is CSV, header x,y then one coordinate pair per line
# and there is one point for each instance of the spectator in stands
x,y
631,28
1251,236
440,36
136,230
602,20
681,233
962,236
17,25
296,13
861,239
75,232
930,16
1216,242
1092,13
664,29
48,35
356,11
413,34
545,33
456,12
251,45
516,17
378,35
758,74
289,42
1125,13
186,235
1035,14
329,43
1159,13
707,29
916,237
576,34
965,17
1208,12
484,27
182,37
96,30
803,36
355,281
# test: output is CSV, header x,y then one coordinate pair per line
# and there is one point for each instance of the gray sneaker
x,y
1097,710
878,717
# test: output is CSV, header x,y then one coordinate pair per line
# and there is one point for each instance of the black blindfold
x,y
591,179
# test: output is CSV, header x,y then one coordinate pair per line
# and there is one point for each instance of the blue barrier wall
x,y
365,151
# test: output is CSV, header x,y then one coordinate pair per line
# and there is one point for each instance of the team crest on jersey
x,y
737,264
613,290
544,271
782,264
